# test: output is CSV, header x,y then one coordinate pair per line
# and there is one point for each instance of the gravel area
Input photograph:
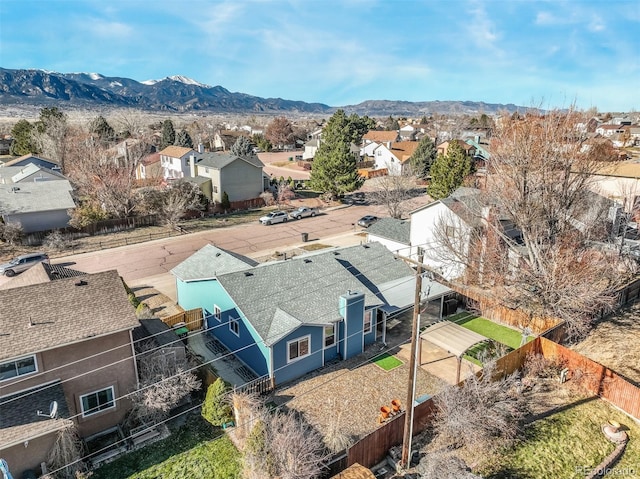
x,y
349,394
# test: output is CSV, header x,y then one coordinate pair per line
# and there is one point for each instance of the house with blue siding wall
x,y
287,318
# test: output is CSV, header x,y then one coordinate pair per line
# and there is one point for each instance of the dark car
x,y
22,263
367,221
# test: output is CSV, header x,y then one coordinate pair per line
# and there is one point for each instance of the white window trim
x,y
35,362
324,336
235,321
368,312
217,313
113,395
308,338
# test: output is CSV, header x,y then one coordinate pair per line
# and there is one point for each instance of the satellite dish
x,y
53,411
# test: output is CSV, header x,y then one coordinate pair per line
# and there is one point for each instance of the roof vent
x,y
82,282
248,273
14,189
336,253
218,254
307,260
366,246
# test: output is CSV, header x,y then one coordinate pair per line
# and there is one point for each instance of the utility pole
x,y
408,418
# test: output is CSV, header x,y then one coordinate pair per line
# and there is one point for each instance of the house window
x,y
450,231
217,313
234,326
298,349
329,335
97,401
366,327
19,367
379,152
215,189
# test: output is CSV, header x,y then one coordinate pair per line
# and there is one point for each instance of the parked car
x,y
303,212
22,263
274,217
367,221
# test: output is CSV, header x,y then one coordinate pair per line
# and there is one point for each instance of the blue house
x,y
284,319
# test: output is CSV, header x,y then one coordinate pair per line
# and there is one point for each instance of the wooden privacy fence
x,y
192,319
366,173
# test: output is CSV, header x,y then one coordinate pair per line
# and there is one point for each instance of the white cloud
x,y
596,24
546,18
481,28
107,29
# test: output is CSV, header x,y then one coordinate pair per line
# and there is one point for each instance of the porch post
x,y
459,365
441,305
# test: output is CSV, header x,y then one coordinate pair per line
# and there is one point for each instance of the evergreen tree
x,y
242,147
261,142
391,124
101,128
225,203
358,126
423,157
334,167
216,408
168,134
184,139
448,171
22,139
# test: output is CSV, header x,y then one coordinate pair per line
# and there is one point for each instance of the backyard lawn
x,y
568,444
197,449
502,334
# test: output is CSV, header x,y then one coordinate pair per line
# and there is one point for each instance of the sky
x,y
550,54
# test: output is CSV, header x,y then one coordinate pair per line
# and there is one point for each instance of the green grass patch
x,y
197,449
497,332
561,444
387,362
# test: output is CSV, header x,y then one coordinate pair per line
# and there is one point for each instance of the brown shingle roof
x,y
381,136
48,315
404,149
150,159
175,151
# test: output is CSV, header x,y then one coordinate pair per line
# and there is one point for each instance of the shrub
x,y
11,232
56,241
133,300
216,408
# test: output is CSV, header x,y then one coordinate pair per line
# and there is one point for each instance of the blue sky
x,y
341,52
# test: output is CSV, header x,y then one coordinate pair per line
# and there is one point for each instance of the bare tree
x,y
482,414
279,132
535,232
444,464
392,191
170,203
64,456
163,383
280,444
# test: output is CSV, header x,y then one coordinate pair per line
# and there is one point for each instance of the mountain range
x,y
180,94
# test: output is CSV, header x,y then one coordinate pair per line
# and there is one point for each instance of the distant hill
x,y
181,94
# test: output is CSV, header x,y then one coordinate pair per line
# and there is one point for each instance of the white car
x,y
274,217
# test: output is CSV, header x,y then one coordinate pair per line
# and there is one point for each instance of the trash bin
x,y
305,237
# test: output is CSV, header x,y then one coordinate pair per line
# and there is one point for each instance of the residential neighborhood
x,y
319,240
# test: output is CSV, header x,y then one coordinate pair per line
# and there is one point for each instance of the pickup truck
x,y
303,212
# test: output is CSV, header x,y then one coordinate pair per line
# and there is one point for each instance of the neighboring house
x,y
311,148
380,136
285,319
619,182
149,168
468,148
30,158
5,145
609,130
28,173
174,161
67,341
481,149
456,216
225,139
393,234
37,206
219,172
407,133
394,156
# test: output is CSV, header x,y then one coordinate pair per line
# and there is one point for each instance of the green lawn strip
x,y
561,444
387,361
502,334
187,447
466,315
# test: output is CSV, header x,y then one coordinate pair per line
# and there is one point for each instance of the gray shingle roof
x,y
41,273
19,419
220,159
36,196
48,315
210,262
392,229
276,298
